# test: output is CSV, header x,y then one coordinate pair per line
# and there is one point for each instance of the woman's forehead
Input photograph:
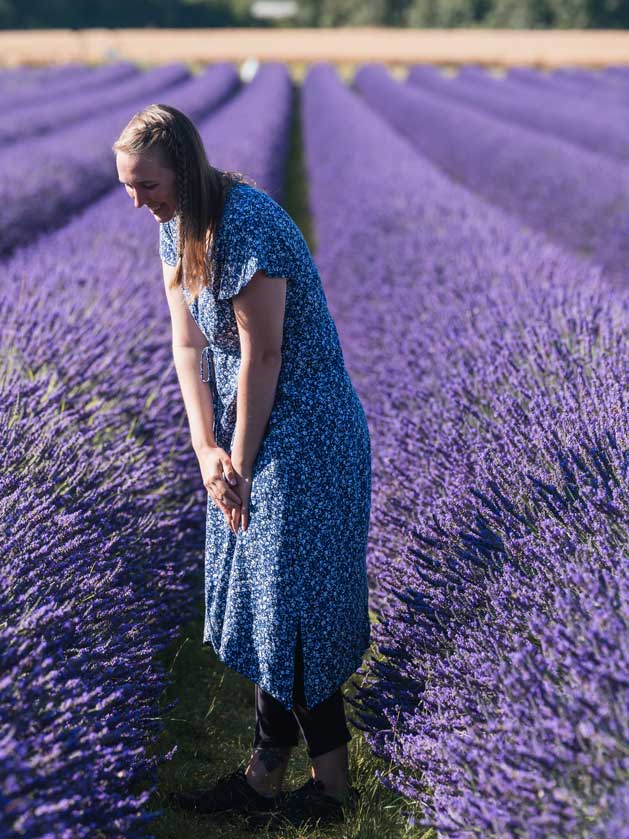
x,y
140,167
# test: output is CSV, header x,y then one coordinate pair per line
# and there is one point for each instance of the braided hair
x,y
201,188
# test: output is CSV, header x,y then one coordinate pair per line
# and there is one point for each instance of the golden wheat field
x,y
493,47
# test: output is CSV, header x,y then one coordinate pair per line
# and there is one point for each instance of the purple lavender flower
x,y
101,503
44,180
492,366
60,112
581,119
542,180
63,81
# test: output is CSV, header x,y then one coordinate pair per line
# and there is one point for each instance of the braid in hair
x,y
182,184
201,189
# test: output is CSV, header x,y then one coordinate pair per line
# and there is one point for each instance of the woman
x,y
284,452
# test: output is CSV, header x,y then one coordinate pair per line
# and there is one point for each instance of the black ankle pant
x,y
323,727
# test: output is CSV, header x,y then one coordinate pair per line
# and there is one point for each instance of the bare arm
x,y
187,343
214,462
259,310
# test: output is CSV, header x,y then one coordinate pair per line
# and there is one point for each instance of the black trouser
x,y
324,727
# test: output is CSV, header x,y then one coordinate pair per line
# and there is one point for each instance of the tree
x,y
446,13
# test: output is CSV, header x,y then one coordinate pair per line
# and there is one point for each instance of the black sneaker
x,y
232,792
308,801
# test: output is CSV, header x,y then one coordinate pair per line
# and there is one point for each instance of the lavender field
x,y
472,235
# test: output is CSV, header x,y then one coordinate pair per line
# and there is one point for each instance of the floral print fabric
x,y
302,560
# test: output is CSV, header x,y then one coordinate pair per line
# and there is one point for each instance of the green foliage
x,y
518,15
76,14
511,14
444,13
571,14
341,12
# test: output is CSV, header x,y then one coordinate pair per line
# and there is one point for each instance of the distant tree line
x,y
79,14
510,14
517,14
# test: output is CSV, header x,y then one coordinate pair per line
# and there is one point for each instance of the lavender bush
x,y
102,507
606,85
266,160
553,81
493,369
533,78
25,80
594,84
617,74
576,197
66,82
44,180
58,113
584,120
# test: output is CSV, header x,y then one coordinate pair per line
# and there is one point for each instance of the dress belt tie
x,y
206,351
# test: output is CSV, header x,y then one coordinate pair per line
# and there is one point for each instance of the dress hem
x,y
357,661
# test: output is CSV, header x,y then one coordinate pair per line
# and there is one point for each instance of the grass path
x,y
213,722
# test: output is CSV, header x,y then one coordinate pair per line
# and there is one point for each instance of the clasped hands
x,y
229,487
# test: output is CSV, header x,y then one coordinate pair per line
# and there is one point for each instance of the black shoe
x,y
308,801
232,792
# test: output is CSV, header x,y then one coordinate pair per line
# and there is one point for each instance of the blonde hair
x,y
201,188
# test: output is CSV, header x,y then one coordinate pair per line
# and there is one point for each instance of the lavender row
x,y
59,113
600,88
25,80
588,123
237,118
102,506
599,85
576,197
67,84
44,180
492,368
618,73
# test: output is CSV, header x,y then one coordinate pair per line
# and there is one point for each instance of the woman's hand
x,y
217,470
241,514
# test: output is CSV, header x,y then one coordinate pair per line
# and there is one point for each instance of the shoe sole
x,y
227,811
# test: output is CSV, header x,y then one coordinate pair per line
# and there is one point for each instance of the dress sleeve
x,y
255,239
167,244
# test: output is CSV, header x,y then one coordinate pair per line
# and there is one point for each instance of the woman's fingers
x,y
231,498
229,473
225,495
230,502
232,514
224,503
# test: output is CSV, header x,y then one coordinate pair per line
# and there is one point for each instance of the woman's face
x,y
148,181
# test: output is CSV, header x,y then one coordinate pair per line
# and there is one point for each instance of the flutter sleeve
x,y
167,243
255,237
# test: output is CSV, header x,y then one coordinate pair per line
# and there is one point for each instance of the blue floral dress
x,y
302,561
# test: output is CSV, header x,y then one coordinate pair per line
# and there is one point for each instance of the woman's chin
x,y
161,215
